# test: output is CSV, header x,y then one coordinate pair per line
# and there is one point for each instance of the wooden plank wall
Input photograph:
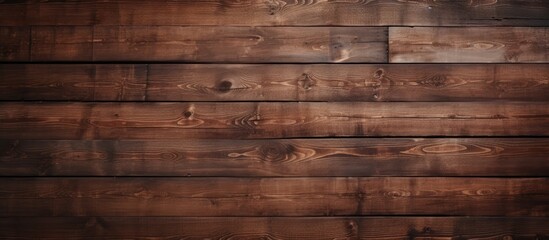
x,y
274,119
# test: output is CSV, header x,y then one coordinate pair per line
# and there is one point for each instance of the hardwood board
x,y
274,196
64,121
277,82
273,228
14,43
67,43
298,157
76,82
277,12
482,44
240,44
280,82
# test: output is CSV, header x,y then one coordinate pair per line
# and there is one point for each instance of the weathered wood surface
x,y
299,157
19,120
277,12
77,82
14,43
274,228
209,44
280,82
481,44
274,196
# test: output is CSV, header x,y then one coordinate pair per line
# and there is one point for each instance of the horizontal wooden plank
x,y
277,82
298,157
80,82
274,196
209,44
273,228
14,43
66,43
482,44
261,12
64,121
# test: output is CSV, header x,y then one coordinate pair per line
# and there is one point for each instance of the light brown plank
x,y
14,43
299,157
269,120
277,12
482,44
273,196
277,82
77,82
240,44
273,228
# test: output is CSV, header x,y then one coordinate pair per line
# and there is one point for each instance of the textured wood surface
x,y
280,82
209,44
274,228
274,196
269,120
14,43
277,12
299,157
481,44
274,119
77,82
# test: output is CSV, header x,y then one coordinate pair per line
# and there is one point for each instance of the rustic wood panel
x,y
269,120
482,44
80,82
240,44
299,157
273,196
277,12
14,43
279,82
61,43
274,228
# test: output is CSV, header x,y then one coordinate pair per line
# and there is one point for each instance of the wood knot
x,y
275,5
275,152
379,73
224,86
188,114
427,230
437,80
306,82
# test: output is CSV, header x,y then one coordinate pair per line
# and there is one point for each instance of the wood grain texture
x,y
274,228
268,120
61,43
277,12
482,44
299,157
240,44
274,196
14,43
349,82
277,82
76,82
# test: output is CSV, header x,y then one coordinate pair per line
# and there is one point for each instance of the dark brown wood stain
x,y
274,119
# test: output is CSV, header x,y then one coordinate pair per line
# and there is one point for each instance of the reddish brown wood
x,y
79,82
274,196
276,82
481,44
269,120
277,12
299,157
14,43
274,228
